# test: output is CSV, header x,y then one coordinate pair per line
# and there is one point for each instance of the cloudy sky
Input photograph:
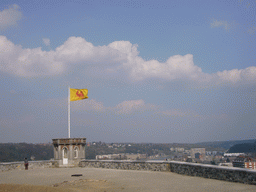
x,y
157,71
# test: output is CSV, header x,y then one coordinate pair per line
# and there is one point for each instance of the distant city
x,y
240,155
224,153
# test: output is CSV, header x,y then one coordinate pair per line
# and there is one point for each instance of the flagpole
x,y
68,112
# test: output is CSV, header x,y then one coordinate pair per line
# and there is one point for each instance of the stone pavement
x,y
122,180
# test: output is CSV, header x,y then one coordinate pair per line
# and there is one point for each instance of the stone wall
x,y
232,174
126,165
20,165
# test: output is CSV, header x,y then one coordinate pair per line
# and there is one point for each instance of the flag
x,y
78,94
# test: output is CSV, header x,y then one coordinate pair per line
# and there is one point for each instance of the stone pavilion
x,y
68,151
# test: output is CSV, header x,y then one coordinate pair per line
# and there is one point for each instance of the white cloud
x,y
135,106
10,16
77,50
117,57
89,105
27,62
35,62
176,67
127,107
192,114
235,75
26,118
226,25
46,41
178,113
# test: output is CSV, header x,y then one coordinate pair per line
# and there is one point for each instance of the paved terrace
x,y
120,180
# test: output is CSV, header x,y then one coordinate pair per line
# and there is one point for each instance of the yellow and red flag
x,y
78,94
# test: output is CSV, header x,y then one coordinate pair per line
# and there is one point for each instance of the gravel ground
x,y
93,179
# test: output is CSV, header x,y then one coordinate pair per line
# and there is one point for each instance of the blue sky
x,y
156,71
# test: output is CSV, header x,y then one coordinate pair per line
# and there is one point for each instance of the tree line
x,y
10,152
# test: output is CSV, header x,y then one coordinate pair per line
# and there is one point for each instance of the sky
x,y
160,71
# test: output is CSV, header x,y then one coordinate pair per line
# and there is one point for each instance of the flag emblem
x,y
78,94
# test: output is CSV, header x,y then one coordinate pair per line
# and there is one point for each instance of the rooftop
x,y
97,179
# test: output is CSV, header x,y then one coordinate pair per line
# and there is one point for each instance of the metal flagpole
x,y
68,112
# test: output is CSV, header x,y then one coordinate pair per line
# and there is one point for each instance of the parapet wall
x,y
20,165
232,174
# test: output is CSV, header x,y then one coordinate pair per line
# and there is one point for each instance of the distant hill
x,y
243,148
225,144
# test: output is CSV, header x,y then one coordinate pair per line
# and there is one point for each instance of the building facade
x,y
244,162
197,153
68,151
